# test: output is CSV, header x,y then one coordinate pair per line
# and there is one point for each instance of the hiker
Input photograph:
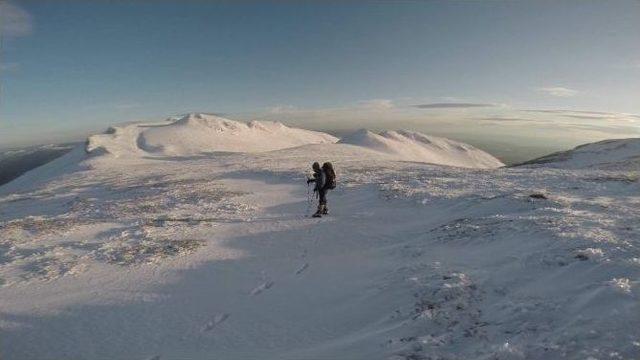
x,y
325,180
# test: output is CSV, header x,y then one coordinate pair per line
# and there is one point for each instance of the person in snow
x,y
324,179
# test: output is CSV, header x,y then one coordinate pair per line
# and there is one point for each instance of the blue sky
x,y
72,67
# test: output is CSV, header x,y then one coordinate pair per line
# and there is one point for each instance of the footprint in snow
x,y
215,321
302,268
261,288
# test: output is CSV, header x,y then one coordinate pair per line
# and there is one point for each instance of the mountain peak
x,y
196,133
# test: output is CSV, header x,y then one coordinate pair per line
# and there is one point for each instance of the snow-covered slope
x,y
199,133
15,162
209,256
607,154
414,146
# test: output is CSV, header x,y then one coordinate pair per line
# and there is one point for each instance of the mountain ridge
x,y
605,154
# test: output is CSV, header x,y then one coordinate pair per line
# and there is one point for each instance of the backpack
x,y
330,181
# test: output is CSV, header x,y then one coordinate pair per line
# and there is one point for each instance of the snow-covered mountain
x,y
199,133
621,154
157,254
15,162
196,134
414,146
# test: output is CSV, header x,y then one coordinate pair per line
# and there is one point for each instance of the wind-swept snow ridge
x,y
198,133
623,154
414,146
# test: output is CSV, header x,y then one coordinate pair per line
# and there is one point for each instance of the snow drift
x,y
198,133
608,154
414,146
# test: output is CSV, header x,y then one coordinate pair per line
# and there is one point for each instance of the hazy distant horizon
x,y
546,73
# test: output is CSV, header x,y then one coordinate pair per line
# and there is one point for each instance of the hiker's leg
x,y
322,194
322,203
325,209
323,197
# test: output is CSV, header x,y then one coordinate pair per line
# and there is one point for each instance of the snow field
x,y
158,256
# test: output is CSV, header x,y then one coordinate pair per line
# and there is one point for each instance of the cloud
x,y
558,91
377,104
628,65
508,119
8,67
373,105
14,21
561,111
281,109
451,105
615,130
589,115
126,106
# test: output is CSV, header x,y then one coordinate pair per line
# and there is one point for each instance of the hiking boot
x,y
318,212
325,210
